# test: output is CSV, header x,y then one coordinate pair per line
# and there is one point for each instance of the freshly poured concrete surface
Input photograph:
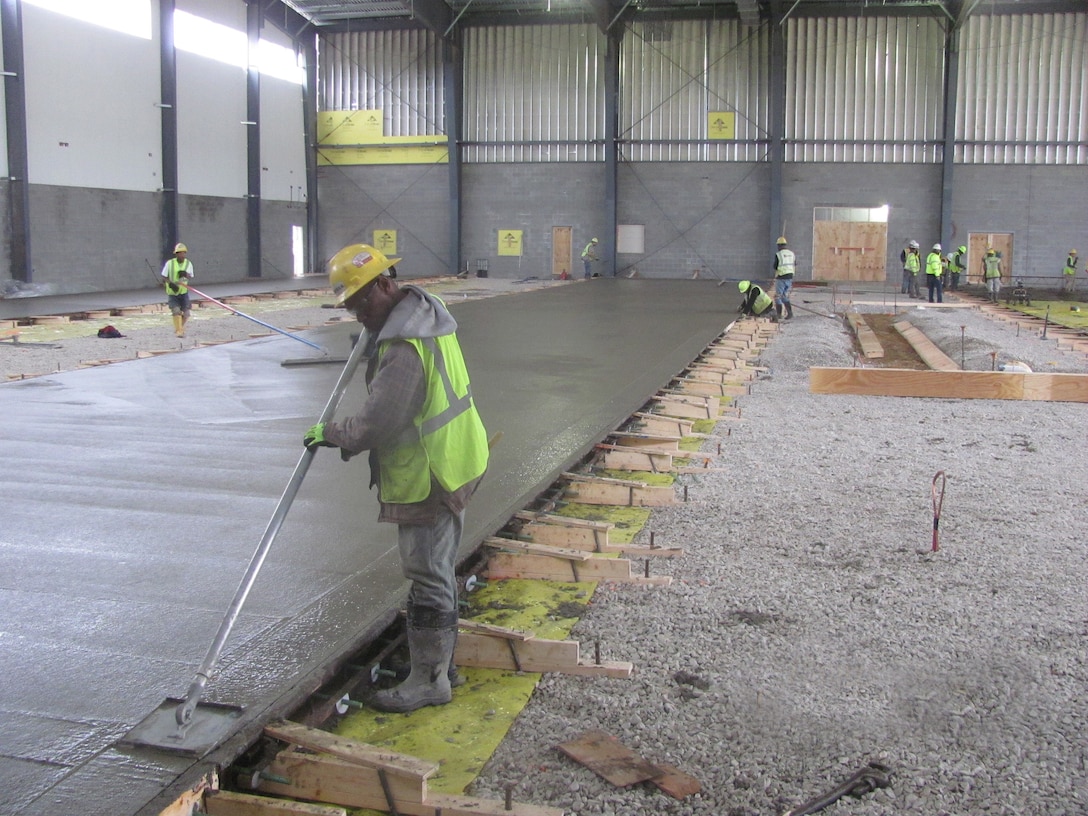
x,y
135,495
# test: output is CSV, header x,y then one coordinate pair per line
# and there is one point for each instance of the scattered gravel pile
x,y
828,633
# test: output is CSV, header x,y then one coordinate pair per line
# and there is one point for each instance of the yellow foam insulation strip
x,y
462,735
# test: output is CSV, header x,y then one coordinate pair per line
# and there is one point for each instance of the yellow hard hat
x,y
744,286
1072,252
991,251
353,267
180,248
782,240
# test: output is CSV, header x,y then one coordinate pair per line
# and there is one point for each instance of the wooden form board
x,y
926,348
685,407
503,565
228,803
897,382
581,534
336,781
658,425
617,491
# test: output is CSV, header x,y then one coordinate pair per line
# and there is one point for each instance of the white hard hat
x,y
937,247
913,245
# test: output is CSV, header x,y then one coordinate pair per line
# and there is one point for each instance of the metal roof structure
x,y
441,15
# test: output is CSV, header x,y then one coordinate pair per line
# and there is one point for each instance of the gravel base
x,y
828,633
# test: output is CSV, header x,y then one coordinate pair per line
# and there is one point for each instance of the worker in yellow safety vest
x,y
756,303
991,273
785,264
428,452
175,272
957,263
1069,273
934,271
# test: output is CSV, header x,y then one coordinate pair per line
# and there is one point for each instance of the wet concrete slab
x,y
135,495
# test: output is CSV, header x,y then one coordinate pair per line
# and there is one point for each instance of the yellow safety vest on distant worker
x,y
173,275
913,262
1070,265
933,264
992,265
447,439
787,262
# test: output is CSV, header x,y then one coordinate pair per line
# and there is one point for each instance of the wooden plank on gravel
x,y
536,655
898,382
610,759
867,339
926,348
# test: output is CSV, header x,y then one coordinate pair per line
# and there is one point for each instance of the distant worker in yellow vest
x,y
1069,274
785,264
756,303
934,272
175,273
589,257
991,273
957,264
428,452
912,264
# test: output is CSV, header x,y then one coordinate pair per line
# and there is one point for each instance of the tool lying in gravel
x,y
189,726
867,780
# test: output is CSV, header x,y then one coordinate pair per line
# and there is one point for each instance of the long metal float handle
x,y
184,713
255,320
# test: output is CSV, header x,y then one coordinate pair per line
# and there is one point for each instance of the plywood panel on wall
x,y
849,251
978,243
561,251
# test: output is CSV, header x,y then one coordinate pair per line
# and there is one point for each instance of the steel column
x,y
168,105
612,146
11,21
453,68
253,142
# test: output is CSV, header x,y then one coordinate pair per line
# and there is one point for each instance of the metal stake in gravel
x,y
938,502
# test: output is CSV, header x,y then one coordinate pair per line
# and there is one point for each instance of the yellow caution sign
x,y
510,242
386,241
721,125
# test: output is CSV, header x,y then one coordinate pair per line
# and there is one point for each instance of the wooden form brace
x,y
229,803
897,382
597,490
652,460
687,407
695,387
493,647
658,425
523,559
581,534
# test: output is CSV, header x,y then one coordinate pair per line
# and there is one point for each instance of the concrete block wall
x,y
92,240
1044,207
707,216
411,199
532,198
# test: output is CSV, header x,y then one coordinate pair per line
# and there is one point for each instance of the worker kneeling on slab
x,y
756,303
428,453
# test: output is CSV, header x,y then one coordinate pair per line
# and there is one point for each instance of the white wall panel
x,y
90,98
211,136
283,134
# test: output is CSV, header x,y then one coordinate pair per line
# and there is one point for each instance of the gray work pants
x,y
428,557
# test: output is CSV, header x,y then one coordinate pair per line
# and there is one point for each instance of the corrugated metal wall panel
x,y
857,89
1023,95
397,72
864,89
675,73
533,93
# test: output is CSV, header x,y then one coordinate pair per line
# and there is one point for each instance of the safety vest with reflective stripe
x,y
1070,265
933,264
992,265
173,275
912,262
787,261
447,439
762,301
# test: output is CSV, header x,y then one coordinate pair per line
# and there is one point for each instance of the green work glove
x,y
315,438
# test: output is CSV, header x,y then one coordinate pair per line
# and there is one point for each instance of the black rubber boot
x,y
789,311
431,638
778,310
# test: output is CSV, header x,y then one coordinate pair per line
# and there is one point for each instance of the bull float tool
x,y
188,726
232,310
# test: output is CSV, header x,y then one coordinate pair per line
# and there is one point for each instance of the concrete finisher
x,y
428,452
756,303
175,272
